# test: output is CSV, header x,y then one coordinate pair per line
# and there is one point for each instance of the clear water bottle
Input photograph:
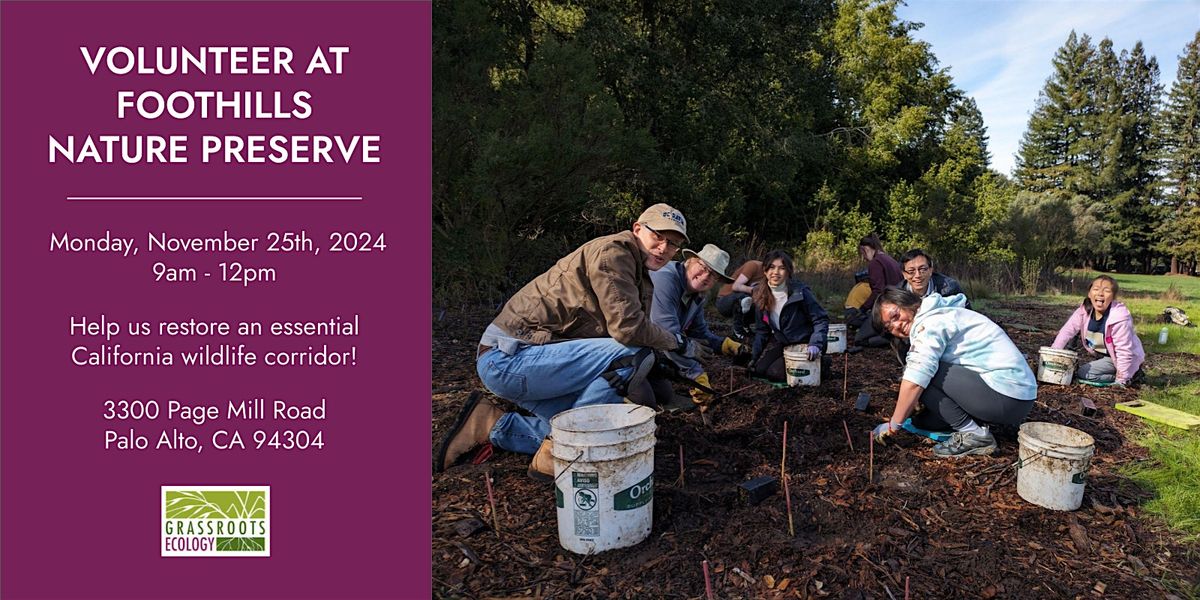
x,y
1162,336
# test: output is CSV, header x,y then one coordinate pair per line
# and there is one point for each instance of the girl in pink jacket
x,y
1105,330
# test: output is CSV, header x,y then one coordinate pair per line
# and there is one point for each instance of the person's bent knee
x,y
505,383
1089,375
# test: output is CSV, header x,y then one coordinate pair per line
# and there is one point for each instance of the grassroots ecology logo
x,y
216,520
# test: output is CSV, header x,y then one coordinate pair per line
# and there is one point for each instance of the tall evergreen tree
x,y
1054,153
968,134
1133,201
1106,129
1179,127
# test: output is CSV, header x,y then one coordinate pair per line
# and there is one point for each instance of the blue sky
x,y
999,51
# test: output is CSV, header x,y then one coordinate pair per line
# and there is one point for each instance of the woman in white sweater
x,y
961,366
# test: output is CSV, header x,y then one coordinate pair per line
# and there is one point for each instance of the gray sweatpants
x,y
957,394
1101,370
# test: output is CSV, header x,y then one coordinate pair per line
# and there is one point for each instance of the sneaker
x,y
966,444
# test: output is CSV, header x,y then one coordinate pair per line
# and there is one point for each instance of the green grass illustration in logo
x,y
221,505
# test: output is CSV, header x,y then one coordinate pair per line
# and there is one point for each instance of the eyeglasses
x,y
660,239
891,316
922,270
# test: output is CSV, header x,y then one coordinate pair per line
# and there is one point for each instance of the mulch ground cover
x,y
945,528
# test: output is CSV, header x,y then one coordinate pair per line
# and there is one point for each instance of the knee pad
x,y
641,361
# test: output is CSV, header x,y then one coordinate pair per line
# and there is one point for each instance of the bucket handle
x,y
1042,454
568,467
1022,462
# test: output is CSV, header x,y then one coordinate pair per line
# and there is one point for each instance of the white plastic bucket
x,y
1053,464
800,370
604,463
836,339
1056,366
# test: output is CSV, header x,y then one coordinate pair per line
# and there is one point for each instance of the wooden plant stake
x,y
487,479
871,461
783,458
845,376
707,581
787,495
848,440
741,389
906,587
681,466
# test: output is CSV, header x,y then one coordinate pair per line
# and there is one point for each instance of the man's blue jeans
x,y
546,380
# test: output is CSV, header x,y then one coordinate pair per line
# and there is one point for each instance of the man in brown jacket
x,y
577,335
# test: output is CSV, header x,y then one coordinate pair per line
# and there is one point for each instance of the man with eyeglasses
x,y
579,334
919,278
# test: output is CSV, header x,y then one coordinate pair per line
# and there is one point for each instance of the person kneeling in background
x,y
1105,330
882,271
786,314
733,299
853,314
962,368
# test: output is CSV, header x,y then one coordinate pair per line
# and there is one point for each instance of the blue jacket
x,y
942,285
802,320
677,311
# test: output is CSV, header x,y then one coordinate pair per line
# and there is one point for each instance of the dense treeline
x,y
1103,142
804,124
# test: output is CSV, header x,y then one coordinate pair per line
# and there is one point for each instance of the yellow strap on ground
x,y
1160,414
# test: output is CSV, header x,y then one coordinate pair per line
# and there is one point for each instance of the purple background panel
x,y
349,521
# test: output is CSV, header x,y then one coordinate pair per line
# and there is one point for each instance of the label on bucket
x,y
799,372
558,497
636,495
1079,478
833,337
587,503
1056,367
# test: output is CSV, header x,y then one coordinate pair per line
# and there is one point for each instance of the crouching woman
x,y
961,367
786,313
1105,330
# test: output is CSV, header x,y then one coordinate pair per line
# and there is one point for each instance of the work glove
x,y
882,431
700,397
746,305
732,348
814,352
